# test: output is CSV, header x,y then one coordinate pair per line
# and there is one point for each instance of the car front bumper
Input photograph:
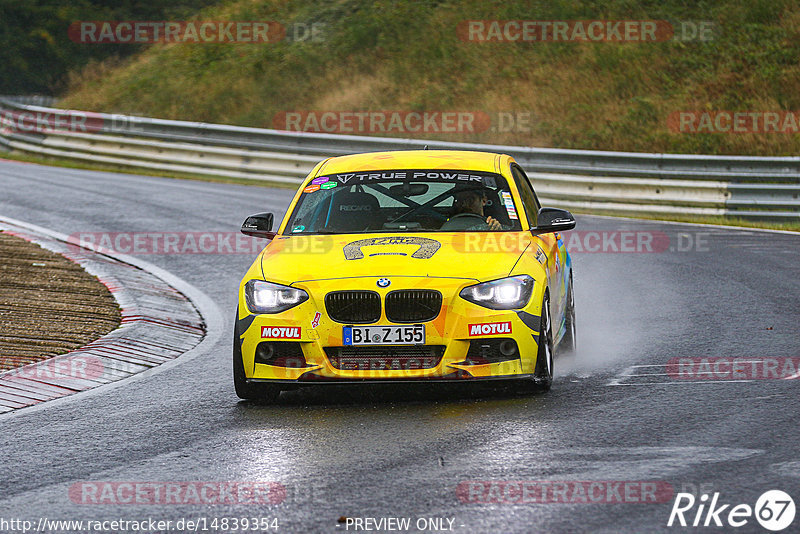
x,y
303,343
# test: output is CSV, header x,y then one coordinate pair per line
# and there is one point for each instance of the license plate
x,y
384,335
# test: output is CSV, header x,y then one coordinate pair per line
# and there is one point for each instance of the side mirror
x,y
259,225
553,220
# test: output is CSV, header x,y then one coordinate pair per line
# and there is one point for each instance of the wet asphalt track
x,y
403,451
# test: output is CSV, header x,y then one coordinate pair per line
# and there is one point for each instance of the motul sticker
x,y
280,332
488,329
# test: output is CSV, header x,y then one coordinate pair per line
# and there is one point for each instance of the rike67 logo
x,y
774,510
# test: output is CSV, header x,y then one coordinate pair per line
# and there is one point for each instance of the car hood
x,y
471,255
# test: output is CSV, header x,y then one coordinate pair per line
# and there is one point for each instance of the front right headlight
x,y
509,293
266,297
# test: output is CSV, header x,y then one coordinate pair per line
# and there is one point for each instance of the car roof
x,y
413,159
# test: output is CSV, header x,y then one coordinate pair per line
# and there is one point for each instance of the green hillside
x,y
36,52
412,56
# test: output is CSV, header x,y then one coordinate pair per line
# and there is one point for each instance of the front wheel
x,y
543,372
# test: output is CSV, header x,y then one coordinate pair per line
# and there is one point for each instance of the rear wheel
x,y
543,372
244,390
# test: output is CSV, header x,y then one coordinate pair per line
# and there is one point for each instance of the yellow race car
x,y
403,266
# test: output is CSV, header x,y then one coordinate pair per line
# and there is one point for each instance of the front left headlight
x,y
505,294
266,297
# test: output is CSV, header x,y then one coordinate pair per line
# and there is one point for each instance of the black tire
x,y
264,393
543,372
569,343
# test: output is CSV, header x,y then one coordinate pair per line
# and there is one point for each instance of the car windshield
x,y
405,200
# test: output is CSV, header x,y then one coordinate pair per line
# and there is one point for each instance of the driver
x,y
468,206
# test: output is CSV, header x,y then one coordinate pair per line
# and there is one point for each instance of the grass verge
x,y
402,55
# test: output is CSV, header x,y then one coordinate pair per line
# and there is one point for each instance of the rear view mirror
x,y
259,225
553,220
408,190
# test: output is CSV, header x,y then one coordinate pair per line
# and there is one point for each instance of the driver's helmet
x,y
466,199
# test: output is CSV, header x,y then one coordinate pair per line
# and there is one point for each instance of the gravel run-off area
x,y
48,304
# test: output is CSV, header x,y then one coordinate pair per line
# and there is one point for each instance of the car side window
x,y
529,199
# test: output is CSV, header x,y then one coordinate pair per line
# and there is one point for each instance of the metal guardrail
x,y
599,181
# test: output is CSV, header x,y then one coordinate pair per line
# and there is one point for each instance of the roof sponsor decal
x,y
426,175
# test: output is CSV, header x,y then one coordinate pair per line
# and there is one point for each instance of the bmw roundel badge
x,y
383,282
